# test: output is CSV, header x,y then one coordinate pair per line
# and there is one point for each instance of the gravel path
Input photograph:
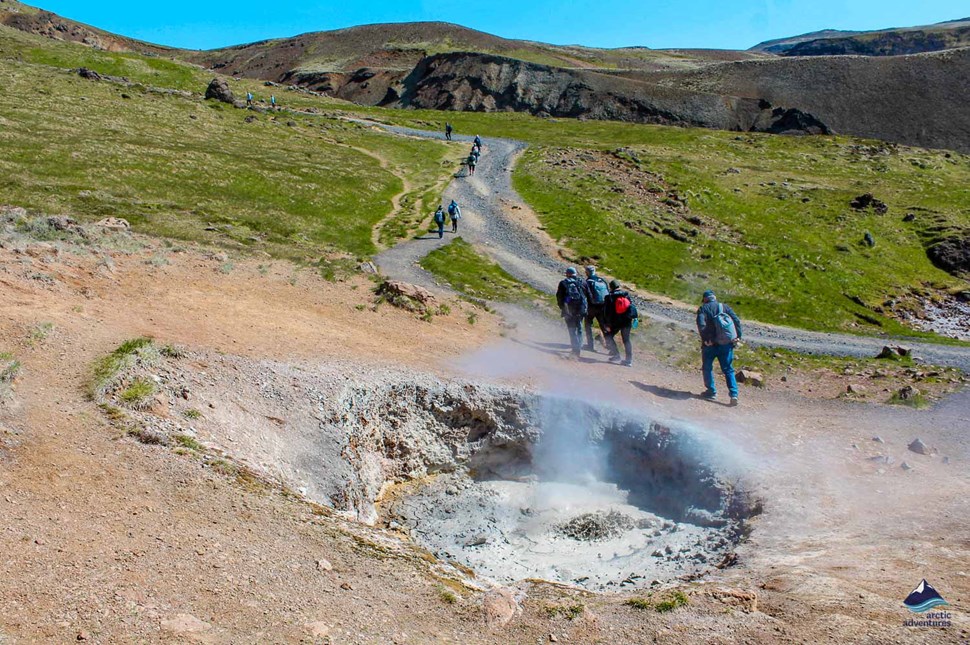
x,y
490,207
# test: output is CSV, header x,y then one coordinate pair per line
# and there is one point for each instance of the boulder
x,y
908,393
892,351
219,90
952,253
751,378
89,74
407,296
500,607
851,388
862,202
919,447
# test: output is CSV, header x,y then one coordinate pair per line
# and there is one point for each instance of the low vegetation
x,y
661,603
472,274
109,370
569,611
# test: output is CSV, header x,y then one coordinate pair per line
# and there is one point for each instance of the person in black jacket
x,y
598,291
573,300
718,341
620,314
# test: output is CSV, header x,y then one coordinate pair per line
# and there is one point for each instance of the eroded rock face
x,y
952,253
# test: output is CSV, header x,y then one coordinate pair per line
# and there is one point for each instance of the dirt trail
x,y
500,222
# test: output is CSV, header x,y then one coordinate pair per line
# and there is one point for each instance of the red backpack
x,y
621,305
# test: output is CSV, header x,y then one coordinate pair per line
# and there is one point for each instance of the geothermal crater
x,y
513,484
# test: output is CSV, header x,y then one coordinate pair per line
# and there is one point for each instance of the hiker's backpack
x,y
725,332
598,290
439,217
452,208
621,307
575,302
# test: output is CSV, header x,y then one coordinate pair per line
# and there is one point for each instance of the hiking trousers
x,y
441,230
597,313
724,354
624,332
454,225
574,325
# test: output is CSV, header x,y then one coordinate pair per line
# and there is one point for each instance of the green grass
x,y
138,393
667,603
9,367
190,443
107,370
175,166
474,275
569,611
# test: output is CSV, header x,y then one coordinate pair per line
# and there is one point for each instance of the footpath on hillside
x,y
497,220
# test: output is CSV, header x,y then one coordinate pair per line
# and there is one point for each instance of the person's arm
x,y
701,323
560,295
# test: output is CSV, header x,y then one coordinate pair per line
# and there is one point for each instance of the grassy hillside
x,y
176,165
774,230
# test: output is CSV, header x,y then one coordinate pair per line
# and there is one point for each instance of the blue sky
x,y
729,24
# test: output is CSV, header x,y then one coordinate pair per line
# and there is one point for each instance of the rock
x,y
905,466
878,439
324,565
553,639
854,389
952,253
184,624
500,607
114,224
946,460
89,74
250,119
62,223
407,296
907,393
881,459
368,267
909,217
862,202
478,540
751,378
892,351
239,105
869,240
318,629
83,635
219,90
346,586
919,447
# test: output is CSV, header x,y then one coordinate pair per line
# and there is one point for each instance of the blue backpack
x,y
725,331
598,290
575,301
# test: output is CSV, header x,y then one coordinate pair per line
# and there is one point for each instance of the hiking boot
x,y
627,363
589,348
734,402
614,358
709,395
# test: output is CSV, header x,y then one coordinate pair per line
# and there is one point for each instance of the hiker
x,y
439,219
272,102
572,299
249,99
720,331
472,161
448,130
621,317
476,152
478,142
598,291
455,213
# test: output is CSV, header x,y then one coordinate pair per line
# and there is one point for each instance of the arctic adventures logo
x,y
923,599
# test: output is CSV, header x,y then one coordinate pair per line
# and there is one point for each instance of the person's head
x,y
709,296
590,271
570,272
614,285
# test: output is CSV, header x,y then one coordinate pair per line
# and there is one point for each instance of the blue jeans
x,y
725,356
574,324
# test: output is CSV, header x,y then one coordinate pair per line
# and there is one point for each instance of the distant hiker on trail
x,y
249,99
472,161
573,301
448,130
272,102
621,316
439,219
598,291
455,213
478,142
720,331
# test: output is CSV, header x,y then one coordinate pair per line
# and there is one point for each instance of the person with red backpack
x,y
720,331
598,290
621,316
573,300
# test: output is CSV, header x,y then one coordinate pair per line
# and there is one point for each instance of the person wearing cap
x,y
573,300
720,331
598,290
620,314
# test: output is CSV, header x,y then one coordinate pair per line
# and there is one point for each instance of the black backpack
x,y
575,301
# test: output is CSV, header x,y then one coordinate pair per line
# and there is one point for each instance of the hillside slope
x,y
883,42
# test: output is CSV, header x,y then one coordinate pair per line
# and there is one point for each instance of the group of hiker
x,y
454,212
585,301
251,101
